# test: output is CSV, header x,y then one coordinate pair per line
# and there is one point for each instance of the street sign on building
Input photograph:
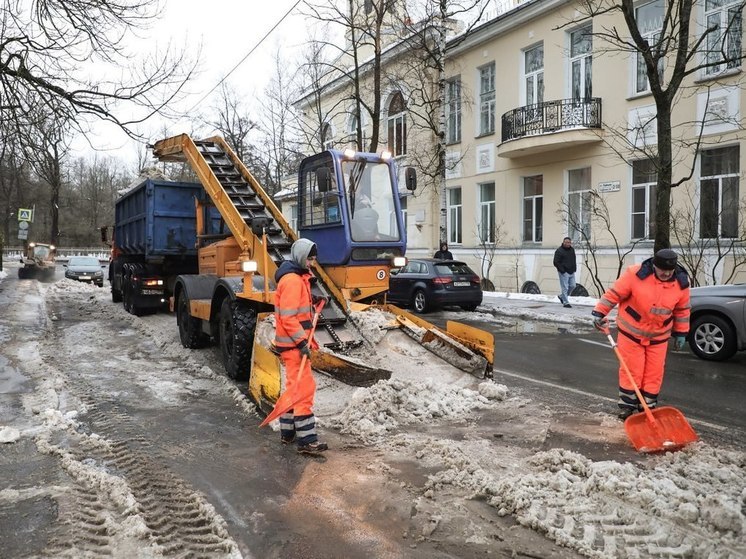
x,y
25,214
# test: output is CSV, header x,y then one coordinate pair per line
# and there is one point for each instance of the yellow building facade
x,y
548,129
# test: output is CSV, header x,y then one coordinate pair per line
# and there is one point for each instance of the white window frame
x,y
648,188
714,42
584,59
403,203
537,222
723,205
455,214
580,202
352,125
397,141
327,142
650,30
487,217
487,101
453,110
533,94
294,216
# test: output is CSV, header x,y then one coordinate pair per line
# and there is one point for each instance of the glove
x,y
600,321
316,299
678,342
305,350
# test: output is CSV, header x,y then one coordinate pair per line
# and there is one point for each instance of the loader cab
x,y
349,206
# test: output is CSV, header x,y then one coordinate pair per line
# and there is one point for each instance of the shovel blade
x,y
669,431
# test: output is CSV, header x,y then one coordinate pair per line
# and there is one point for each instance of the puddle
x,y
11,381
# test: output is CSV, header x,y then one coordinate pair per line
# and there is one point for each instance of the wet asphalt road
x,y
570,363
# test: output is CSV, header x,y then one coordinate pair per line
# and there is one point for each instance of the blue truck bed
x,y
156,219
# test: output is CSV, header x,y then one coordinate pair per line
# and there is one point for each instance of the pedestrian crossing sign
x,y
25,214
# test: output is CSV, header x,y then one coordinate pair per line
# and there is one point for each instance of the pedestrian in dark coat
x,y
443,253
564,261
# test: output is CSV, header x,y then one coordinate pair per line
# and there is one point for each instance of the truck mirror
x,y
323,179
410,178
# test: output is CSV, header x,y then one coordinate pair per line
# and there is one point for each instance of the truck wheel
x,y
116,295
129,299
190,328
237,325
22,273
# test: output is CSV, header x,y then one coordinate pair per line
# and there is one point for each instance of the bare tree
x,y
490,236
430,21
278,148
591,213
368,28
678,49
50,47
233,123
703,251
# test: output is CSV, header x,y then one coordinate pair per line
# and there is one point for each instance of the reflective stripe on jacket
x,y
293,311
650,310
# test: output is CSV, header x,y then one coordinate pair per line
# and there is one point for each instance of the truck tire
x,y
116,295
190,328
237,324
128,296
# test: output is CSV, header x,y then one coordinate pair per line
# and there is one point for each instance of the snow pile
x,y
384,407
684,504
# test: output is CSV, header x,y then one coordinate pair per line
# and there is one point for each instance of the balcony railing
x,y
551,116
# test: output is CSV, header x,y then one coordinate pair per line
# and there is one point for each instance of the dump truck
x,y
38,262
348,204
153,240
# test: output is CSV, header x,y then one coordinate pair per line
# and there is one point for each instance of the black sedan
x,y
718,321
427,283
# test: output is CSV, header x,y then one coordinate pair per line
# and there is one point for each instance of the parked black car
x,y
84,268
718,321
427,283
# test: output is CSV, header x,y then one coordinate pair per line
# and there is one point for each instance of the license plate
x,y
151,292
84,277
461,284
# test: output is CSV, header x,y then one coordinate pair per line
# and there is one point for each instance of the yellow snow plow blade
x,y
370,347
465,347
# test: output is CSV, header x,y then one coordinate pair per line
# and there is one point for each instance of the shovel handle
x,y
630,378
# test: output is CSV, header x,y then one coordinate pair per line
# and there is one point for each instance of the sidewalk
x,y
541,307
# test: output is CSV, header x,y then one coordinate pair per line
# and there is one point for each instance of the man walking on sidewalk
x,y
564,261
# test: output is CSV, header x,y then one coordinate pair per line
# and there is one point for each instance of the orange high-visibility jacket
x,y
650,310
293,309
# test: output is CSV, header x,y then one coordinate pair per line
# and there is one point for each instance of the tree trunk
x,y
665,172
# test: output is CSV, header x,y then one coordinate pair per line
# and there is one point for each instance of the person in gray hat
x,y
653,299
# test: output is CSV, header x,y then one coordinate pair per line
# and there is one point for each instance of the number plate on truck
x,y
152,292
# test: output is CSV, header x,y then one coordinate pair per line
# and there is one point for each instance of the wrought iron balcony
x,y
551,116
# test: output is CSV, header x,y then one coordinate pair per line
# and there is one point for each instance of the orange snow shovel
x,y
658,429
287,399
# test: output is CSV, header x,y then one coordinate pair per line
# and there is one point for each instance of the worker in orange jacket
x,y
653,299
293,323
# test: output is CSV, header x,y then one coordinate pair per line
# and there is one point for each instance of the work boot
x,y
287,440
625,413
312,448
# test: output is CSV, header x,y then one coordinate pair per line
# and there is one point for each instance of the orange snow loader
x,y
348,203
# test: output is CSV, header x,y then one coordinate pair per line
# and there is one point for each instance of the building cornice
x,y
503,23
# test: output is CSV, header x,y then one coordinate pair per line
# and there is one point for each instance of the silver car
x,y
718,321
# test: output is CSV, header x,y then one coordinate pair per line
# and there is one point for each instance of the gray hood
x,y
299,251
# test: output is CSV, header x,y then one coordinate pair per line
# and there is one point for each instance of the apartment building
x,y
548,131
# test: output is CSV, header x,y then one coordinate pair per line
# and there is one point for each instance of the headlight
x,y
99,274
248,266
398,262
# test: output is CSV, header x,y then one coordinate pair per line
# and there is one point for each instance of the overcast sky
x,y
221,34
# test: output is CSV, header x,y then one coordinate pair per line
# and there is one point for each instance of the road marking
x,y
592,395
594,342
